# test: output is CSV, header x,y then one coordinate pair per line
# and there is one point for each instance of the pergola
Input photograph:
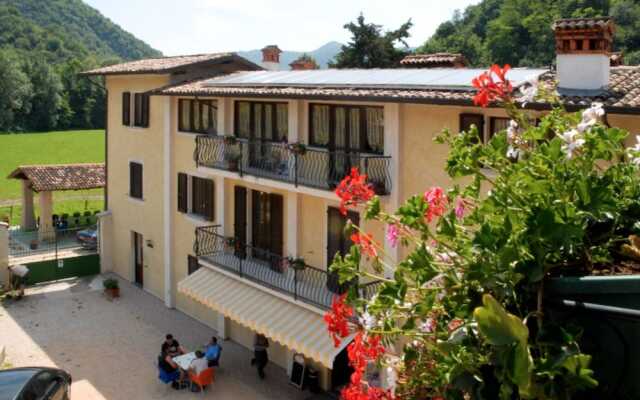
x,y
45,179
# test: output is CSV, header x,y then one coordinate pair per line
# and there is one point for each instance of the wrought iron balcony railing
x,y
293,278
321,169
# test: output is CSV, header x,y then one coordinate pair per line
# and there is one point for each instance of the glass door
x,y
338,243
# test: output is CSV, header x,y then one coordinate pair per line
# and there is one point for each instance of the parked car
x,y
34,383
88,238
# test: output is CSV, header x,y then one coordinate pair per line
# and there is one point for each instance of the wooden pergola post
x,y
28,219
45,230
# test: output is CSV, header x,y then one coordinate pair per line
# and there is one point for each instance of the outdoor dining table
x,y
184,360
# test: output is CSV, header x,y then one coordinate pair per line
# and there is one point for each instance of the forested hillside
x,y
43,45
518,32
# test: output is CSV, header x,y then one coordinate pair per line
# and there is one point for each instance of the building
x,y
435,60
215,208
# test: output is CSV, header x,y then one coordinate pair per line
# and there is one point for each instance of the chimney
x,y
583,49
304,62
271,57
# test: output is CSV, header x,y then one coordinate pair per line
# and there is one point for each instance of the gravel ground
x,y
110,347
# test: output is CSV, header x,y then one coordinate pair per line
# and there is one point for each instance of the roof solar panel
x,y
410,78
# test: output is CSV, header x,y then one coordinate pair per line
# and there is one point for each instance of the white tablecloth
x,y
184,360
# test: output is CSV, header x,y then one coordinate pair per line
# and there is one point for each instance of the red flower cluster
x,y
361,351
353,190
337,319
490,89
366,243
437,201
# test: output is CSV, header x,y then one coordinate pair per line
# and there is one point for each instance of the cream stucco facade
x,y
416,164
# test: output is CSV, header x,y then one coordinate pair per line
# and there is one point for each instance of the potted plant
x,y
111,287
378,187
230,140
233,161
34,244
297,263
298,148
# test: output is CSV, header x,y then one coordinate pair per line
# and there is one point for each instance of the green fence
x,y
52,270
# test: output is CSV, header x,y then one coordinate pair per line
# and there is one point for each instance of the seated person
x,y
171,346
171,371
212,352
198,364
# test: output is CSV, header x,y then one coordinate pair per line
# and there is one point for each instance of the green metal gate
x,y
52,270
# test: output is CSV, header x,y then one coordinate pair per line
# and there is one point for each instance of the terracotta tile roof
x,y
582,23
61,177
622,96
161,65
433,59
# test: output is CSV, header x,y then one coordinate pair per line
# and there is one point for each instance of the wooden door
x,y
338,243
138,247
240,220
267,227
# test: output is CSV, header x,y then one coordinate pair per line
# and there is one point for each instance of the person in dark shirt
x,y
171,369
171,346
260,356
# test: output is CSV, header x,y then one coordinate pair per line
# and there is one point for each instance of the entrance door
x,y
240,221
338,243
267,227
138,260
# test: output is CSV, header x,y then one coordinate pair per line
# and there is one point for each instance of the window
x,y
497,125
141,110
349,128
262,120
135,180
126,108
196,196
192,264
198,116
468,120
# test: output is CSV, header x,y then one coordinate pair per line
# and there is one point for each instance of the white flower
x,y
529,90
513,152
392,377
368,321
512,131
428,326
572,141
590,116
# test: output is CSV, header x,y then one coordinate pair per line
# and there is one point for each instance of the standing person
x,y
171,346
260,356
212,352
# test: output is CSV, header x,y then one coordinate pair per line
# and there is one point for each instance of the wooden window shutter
x,y
277,223
145,111
209,202
183,180
192,264
126,108
135,180
466,120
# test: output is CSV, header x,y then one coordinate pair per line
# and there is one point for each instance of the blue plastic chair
x,y
168,377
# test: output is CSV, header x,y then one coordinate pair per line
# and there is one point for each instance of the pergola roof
x,y
45,178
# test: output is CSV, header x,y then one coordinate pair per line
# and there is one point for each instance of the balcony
x,y
314,168
299,281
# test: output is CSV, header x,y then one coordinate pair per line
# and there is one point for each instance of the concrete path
x,y
110,347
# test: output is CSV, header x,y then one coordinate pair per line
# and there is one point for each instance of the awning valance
x,y
295,327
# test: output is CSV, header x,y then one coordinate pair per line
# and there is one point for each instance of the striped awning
x,y
294,326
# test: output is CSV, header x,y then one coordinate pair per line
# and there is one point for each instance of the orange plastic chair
x,y
205,378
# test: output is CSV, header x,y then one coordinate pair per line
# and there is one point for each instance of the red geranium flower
x,y
490,89
353,190
366,243
437,200
361,351
337,319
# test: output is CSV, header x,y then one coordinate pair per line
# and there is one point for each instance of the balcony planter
x,y
298,148
230,140
233,161
230,243
297,263
378,187
607,308
111,287
33,244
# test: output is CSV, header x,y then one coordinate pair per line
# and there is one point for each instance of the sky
x,y
200,26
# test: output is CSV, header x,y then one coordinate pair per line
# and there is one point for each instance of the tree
x,y
370,47
48,105
15,88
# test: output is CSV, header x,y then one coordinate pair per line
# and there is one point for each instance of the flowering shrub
x,y
465,314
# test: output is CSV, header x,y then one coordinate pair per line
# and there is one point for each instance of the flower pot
x,y
113,292
607,308
232,165
379,188
33,244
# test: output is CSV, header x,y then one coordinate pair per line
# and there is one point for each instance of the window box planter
x,y
607,308
233,162
297,263
298,148
230,140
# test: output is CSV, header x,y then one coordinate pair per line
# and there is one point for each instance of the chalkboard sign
x,y
297,372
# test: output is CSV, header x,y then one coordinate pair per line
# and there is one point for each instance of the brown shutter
x,y
126,108
183,180
240,219
145,111
466,120
210,200
135,180
276,202
192,264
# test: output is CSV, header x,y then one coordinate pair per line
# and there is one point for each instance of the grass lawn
x,y
49,148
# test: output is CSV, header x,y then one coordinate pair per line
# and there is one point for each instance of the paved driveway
x,y
110,347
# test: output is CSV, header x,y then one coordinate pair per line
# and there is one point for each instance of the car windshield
x,y
12,381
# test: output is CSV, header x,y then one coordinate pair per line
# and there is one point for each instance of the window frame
x,y
213,107
132,189
252,122
141,110
492,127
363,146
126,108
197,198
481,118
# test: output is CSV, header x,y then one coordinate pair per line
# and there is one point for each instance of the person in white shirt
x,y
199,363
